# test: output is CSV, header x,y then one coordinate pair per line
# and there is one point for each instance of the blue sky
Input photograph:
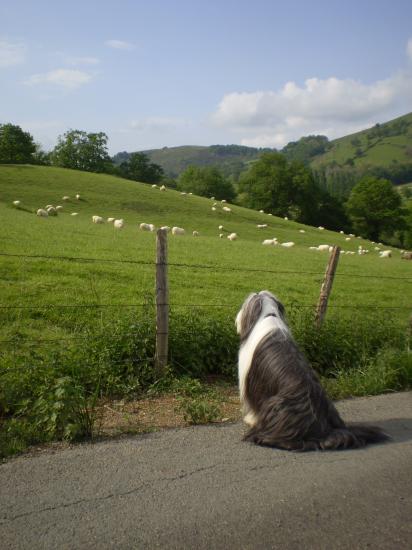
x,y
158,73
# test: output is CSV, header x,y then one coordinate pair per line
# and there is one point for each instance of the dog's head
x,y
257,306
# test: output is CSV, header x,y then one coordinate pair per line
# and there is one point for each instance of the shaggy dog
x,y
283,401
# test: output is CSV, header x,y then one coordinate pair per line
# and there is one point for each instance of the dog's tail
x,y
351,436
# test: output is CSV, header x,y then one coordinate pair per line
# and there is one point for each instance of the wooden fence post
x,y
162,304
327,286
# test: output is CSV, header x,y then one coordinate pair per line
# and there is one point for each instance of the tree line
x,y
277,183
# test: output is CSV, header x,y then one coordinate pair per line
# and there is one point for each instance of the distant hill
x,y
231,159
383,145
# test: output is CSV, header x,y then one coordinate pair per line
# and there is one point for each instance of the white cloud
x,y
11,53
329,106
157,124
409,49
82,60
119,45
69,79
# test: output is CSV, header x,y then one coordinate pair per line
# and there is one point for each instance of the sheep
x,y
178,231
269,214
347,238
165,228
154,186
377,248
406,256
16,203
213,209
262,211
351,235
66,198
74,214
162,188
59,208
48,206
78,196
313,248
195,233
97,219
212,198
221,227
223,200
52,211
183,193
342,232
262,225
146,226
42,213
226,209
286,218
118,224
323,247
221,235
288,244
270,242
232,236
190,193
321,228
110,220
302,231
385,254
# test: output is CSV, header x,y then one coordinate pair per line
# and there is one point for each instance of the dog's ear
x,y
250,314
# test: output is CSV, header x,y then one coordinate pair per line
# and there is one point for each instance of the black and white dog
x,y
283,401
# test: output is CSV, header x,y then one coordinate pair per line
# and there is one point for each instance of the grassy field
x,y
76,300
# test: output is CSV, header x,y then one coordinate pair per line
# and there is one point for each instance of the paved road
x,y
203,488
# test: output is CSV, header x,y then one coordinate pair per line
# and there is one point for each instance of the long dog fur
x,y
283,401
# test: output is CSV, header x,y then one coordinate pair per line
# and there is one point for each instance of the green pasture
x,y
122,271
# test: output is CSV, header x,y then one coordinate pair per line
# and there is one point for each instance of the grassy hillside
x,y
383,145
231,159
294,274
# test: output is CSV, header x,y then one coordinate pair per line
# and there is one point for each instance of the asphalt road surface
x,y
202,487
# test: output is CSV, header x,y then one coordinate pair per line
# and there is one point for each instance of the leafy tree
x,y
139,168
306,148
16,146
206,181
82,151
375,207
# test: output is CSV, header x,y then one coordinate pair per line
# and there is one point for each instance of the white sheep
x,y
212,198
213,209
154,186
323,247
232,236
221,227
178,231
195,233
269,214
48,206
146,227
262,211
288,244
270,242
74,214
52,211
385,254
59,208
78,196
162,188
66,198
302,231
321,228
16,203
118,224
226,209
223,200
262,225
97,219
165,228
221,235
342,232
347,238
351,235
313,248
286,218
183,193
42,213
110,220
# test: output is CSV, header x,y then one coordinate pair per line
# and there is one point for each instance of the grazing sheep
x,y
347,238
321,228
262,225
351,235
223,200
97,219
146,227
154,186
52,211
342,232
232,236
286,218
302,231
162,188
221,235
323,247
270,242
195,233
48,206
66,198
270,214
385,254
190,193
288,244
183,193
406,256
212,198
226,209
16,203
59,208
42,213
313,248
78,196
262,211
221,227
165,228
213,209
118,224
74,214
110,220
178,231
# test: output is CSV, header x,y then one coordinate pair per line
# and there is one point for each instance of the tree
x,y
139,168
206,181
82,151
16,146
375,207
306,148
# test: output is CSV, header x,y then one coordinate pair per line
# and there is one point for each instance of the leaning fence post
x,y
327,286
162,304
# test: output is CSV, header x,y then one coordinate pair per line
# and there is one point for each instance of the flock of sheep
x,y
50,210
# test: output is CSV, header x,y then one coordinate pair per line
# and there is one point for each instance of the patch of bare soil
x,y
156,413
